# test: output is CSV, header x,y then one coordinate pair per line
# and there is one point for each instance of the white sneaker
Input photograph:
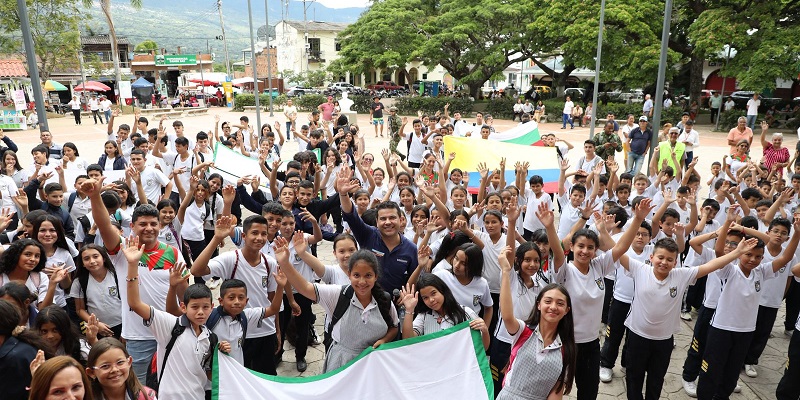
x,y
738,388
690,388
750,370
606,374
686,316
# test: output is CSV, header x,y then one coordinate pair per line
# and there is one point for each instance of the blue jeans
x,y
107,114
635,162
751,121
566,118
288,129
142,352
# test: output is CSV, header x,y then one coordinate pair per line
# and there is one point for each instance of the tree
x,y
146,46
765,36
54,28
384,37
105,5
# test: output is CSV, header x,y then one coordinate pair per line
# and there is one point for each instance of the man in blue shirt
x,y
396,254
640,142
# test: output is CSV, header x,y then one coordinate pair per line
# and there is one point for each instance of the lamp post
x,y
597,67
254,59
33,69
662,72
269,60
722,91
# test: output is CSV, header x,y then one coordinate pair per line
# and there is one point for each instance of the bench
x,y
195,111
167,114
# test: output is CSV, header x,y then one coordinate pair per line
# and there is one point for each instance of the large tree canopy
x,y
475,41
54,28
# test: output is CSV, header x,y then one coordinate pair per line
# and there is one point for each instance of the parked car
x,y
575,93
299,91
344,86
384,85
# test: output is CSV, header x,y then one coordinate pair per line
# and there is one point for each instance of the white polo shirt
x,y
183,377
655,310
738,304
491,267
471,295
229,330
259,281
587,293
152,180
623,288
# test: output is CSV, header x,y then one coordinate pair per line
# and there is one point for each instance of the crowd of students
x,y
89,263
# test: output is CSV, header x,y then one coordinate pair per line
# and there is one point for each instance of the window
x,y
425,76
314,48
337,45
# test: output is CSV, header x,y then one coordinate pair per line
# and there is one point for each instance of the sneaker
x,y
738,388
686,316
606,374
690,388
750,370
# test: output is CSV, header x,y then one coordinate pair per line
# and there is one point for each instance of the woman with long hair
x,y
112,159
12,168
545,362
24,261
59,378
48,231
18,347
62,335
96,290
109,367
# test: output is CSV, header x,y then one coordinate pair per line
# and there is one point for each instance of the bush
x,y
430,105
501,108
242,100
309,102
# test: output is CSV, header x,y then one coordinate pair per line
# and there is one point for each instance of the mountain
x,y
194,24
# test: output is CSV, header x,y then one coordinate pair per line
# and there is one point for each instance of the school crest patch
x,y
601,284
476,299
673,291
264,281
112,291
758,286
168,236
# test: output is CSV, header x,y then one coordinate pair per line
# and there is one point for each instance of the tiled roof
x,y
103,39
12,68
317,26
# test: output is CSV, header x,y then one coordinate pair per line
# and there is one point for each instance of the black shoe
x,y
301,365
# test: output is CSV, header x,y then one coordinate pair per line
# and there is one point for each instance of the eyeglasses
x,y
369,159
642,234
120,364
778,232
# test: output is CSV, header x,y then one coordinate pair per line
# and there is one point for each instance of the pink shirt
x,y
327,110
736,135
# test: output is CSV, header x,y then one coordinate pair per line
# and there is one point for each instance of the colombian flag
x,y
522,145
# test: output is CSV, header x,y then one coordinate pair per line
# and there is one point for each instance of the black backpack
x,y
341,307
217,314
177,330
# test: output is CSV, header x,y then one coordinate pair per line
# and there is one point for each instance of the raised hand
x,y
484,172
133,250
669,197
409,297
281,249
38,361
228,193
306,215
746,245
299,242
281,279
545,215
644,208
502,258
733,212
223,227
512,211
178,273
564,164
92,326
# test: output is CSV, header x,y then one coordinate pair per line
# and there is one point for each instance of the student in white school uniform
x,y
583,279
50,233
653,318
254,268
464,279
17,266
439,309
570,202
734,322
184,373
789,386
152,178
640,250
229,326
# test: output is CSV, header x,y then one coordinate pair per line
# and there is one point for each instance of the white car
x,y
343,86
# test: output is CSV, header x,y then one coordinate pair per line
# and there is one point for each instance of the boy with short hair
x,y
152,179
588,161
53,199
534,196
734,322
254,268
181,340
653,318
570,205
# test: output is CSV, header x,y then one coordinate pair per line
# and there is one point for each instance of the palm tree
x,y
105,5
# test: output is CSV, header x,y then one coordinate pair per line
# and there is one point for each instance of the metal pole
x,y
722,92
662,72
83,73
255,67
269,61
33,69
202,79
305,38
597,67
224,39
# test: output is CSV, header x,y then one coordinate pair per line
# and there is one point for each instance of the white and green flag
x,y
448,364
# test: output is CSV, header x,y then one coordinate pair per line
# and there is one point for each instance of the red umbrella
x,y
93,86
204,82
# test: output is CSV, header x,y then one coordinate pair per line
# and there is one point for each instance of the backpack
x,y
177,330
218,313
342,304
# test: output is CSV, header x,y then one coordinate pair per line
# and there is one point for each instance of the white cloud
x,y
343,3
